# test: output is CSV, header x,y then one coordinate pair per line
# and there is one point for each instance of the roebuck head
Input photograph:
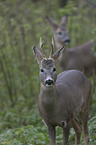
x,y
48,73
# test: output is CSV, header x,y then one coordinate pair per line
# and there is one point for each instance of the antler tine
x,y
41,46
52,49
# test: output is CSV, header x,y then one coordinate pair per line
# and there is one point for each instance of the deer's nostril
x,y
49,82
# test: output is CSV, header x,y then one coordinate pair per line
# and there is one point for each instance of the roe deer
x,y
62,97
80,58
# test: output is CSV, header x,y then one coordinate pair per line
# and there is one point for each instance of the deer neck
x,y
47,98
48,92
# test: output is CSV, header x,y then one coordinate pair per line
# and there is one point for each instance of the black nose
x,y
49,82
67,41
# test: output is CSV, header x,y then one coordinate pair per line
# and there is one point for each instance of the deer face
x,y
61,35
60,31
48,72
47,66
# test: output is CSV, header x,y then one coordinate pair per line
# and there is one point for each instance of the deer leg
x,y
52,135
94,80
85,127
78,130
84,117
66,132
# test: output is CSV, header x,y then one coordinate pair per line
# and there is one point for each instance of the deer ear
x,y
53,25
56,55
64,20
37,53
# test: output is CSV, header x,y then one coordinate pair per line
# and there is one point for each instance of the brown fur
x,y
80,57
62,98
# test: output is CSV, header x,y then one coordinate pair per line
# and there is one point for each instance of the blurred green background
x,y
22,23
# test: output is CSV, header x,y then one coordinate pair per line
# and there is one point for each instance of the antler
x,y
52,49
41,46
56,54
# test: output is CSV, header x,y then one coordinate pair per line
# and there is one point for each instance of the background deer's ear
x,y
57,54
39,56
53,25
64,20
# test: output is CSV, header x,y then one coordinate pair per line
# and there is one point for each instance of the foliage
x,y
38,135
22,23
25,135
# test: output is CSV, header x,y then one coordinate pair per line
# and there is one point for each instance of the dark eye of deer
x,y
54,69
59,33
42,70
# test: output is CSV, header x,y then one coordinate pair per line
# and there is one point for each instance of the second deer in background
x,y
80,58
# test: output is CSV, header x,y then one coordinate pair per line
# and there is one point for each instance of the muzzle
x,y
49,82
67,41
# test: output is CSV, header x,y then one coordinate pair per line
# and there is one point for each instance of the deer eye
x,y
54,69
42,70
59,33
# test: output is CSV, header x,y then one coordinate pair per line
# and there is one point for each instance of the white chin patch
x,y
49,85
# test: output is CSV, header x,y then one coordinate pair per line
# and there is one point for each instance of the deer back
x,y
80,58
